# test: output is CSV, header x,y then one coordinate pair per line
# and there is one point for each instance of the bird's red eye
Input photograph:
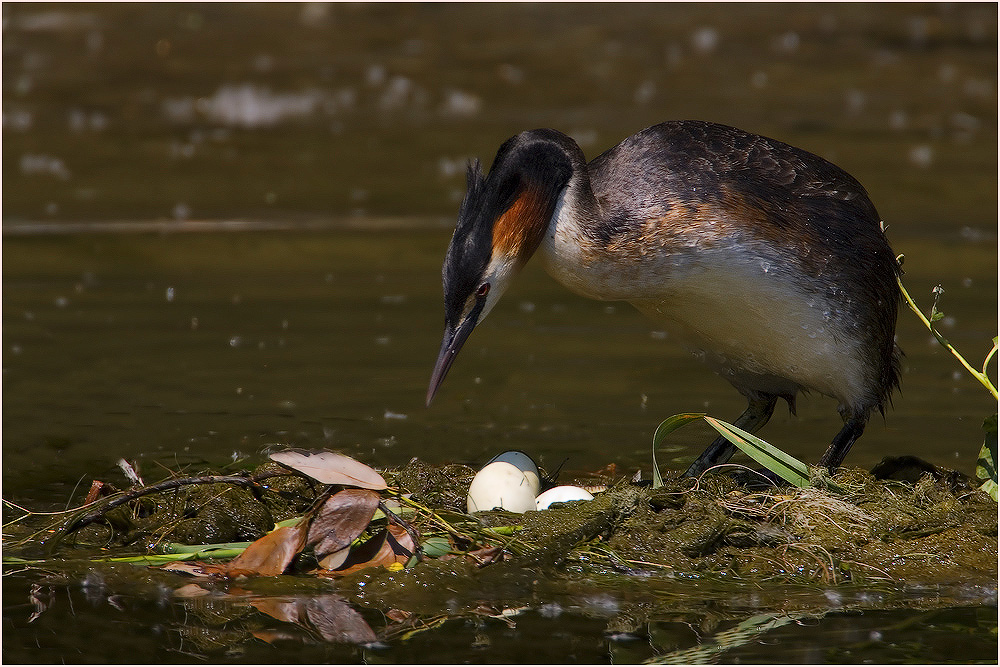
x,y
483,290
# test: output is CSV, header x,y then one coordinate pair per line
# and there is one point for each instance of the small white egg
x,y
522,462
561,494
504,485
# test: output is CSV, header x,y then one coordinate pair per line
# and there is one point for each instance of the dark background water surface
x,y
223,228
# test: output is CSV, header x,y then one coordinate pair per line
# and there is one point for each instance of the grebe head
x,y
501,223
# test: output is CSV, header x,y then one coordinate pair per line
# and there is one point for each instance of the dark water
x,y
584,628
348,126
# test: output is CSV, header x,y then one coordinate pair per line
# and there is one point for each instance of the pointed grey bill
x,y
454,339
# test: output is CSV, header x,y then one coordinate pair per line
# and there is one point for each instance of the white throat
x,y
569,252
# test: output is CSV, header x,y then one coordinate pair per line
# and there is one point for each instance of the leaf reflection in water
x,y
328,617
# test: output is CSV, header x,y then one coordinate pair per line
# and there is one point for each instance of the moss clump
x,y
444,487
878,530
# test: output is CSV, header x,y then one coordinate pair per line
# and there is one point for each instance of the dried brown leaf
x,y
341,519
360,556
401,543
387,547
398,615
96,491
335,560
486,555
331,468
270,555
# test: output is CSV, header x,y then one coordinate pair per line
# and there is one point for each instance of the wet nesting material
x,y
886,530
877,530
932,531
437,486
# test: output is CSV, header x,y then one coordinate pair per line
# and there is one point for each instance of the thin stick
x,y
248,482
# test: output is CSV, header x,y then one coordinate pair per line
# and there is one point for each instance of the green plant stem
x,y
433,515
990,356
981,376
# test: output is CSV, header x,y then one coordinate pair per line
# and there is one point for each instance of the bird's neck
x,y
573,252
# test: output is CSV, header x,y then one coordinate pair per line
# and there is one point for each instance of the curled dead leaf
x,y
270,555
331,468
390,546
96,491
335,560
340,520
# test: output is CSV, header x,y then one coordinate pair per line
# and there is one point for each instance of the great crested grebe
x,y
767,261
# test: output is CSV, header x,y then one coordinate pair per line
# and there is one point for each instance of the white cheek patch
x,y
499,274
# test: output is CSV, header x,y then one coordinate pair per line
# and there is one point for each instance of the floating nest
x,y
405,546
931,526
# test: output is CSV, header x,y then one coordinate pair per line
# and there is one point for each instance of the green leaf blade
x,y
787,467
666,427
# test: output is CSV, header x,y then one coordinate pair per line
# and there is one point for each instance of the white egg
x,y
561,494
522,462
504,485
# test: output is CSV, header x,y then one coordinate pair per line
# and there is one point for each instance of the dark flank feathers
x,y
813,214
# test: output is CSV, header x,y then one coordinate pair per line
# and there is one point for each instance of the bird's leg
x,y
758,412
835,453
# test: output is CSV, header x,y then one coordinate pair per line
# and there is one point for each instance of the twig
x,y
251,483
